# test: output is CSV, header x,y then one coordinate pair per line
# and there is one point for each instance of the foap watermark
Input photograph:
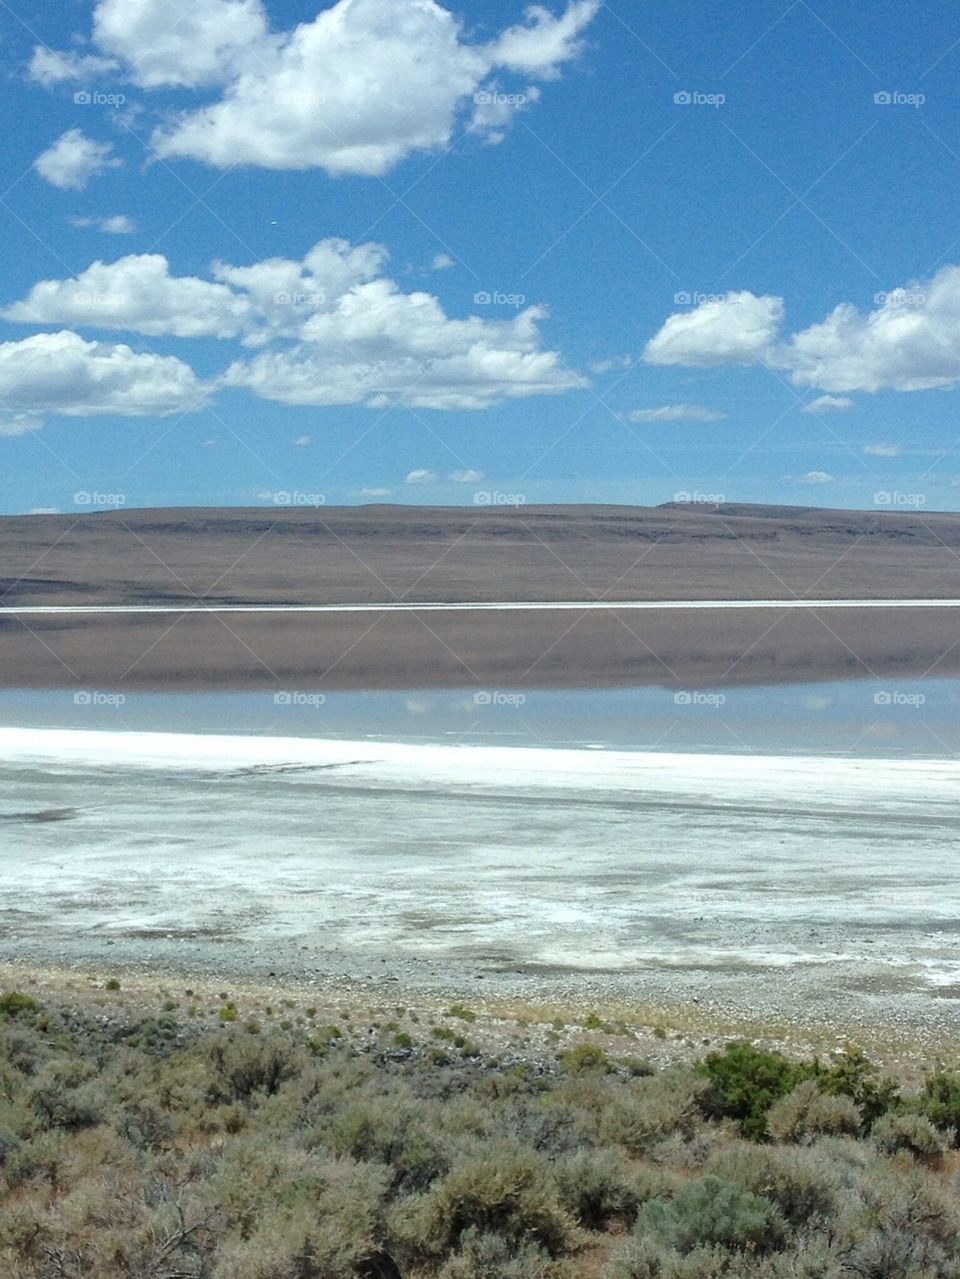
x,y
892,497
112,501
296,498
686,498
894,697
113,701
692,297
299,98
100,301
895,98
300,299
694,98
496,297
900,297
313,700
96,98
697,697
493,98
487,497
496,697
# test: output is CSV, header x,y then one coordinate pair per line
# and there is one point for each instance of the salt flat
x,y
577,861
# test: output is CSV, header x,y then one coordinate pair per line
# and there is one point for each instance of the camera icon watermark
x,y
487,497
95,98
296,498
900,297
110,501
694,98
493,98
496,297
896,698
100,301
498,698
686,498
297,98
112,701
895,98
313,700
887,497
695,697
693,297
300,299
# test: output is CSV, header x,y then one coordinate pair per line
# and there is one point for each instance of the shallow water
x,y
891,719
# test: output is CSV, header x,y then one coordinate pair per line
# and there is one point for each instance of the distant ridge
x,y
363,554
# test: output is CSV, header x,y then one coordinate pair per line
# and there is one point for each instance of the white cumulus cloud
x,y
61,373
828,404
12,424
816,477
909,341
136,293
172,44
49,68
883,450
116,224
74,159
421,476
736,329
356,90
541,44
330,329
678,413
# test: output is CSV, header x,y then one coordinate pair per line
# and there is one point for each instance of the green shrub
x,y
806,1113
596,1187
638,1117
464,1014
940,1102
145,1125
713,1212
9,1143
853,1075
913,1133
512,1196
585,1059
745,1082
803,1183
637,1067
14,1003
60,1101
637,1258
489,1256
244,1064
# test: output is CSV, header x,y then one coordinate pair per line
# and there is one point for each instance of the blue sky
x,y
540,275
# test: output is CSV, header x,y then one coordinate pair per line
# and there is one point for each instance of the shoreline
x,y
794,896
217,751
658,1024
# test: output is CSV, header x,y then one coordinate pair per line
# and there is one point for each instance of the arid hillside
x,y
384,553
389,554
